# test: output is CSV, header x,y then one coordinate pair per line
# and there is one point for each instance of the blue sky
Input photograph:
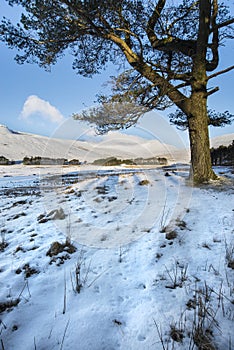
x,y
36,101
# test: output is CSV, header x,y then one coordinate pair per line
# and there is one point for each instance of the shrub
x,y
57,248
144,182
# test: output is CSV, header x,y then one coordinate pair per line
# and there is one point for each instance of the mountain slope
x,y
17,145
224,140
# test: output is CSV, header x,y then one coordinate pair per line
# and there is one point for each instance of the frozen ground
x,y
153,266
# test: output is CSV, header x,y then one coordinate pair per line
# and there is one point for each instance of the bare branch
x,y
213,64
211,92
225,24
182,85
153,20
220,72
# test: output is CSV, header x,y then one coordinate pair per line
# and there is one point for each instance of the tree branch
x,y
186,47
171,43
211,92
126,24
213,64
130,55
153,20
203,31
81,12
149,73
220,72
182,17
130,34
224,24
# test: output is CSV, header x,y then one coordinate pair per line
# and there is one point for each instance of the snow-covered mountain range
x,y
16,145
224,140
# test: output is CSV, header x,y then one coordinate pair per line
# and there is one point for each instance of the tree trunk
x,y
201,167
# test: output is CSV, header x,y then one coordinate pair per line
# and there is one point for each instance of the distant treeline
x,y
111,161
6,161
223,155
49,161
40,161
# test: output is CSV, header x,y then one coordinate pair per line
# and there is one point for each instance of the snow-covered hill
x,y
17,145
224,140
131,280
115,258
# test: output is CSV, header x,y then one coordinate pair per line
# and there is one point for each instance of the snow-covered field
x,y
150,264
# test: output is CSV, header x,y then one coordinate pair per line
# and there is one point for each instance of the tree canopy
x,y
157,33
216,119
155,36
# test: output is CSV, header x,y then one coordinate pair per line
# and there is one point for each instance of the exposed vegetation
x,y
6,161
144,182
111,161
57,248
8,305
44,161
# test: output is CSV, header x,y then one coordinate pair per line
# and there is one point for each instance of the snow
x,y
115,144
136,282
224,140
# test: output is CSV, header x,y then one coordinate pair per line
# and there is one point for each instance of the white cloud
x,y
35,105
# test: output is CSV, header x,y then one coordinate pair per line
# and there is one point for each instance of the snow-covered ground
x,y
153,266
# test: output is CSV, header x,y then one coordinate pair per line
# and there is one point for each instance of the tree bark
x,y
201,167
